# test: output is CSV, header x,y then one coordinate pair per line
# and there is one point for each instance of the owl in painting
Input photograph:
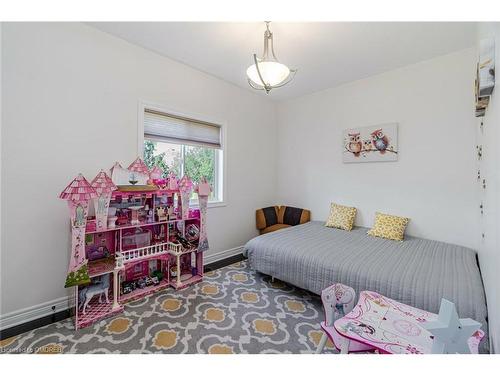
x,y
355,145
380,140
367,145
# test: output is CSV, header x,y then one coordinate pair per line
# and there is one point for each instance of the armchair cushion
x,y
266,217
293,215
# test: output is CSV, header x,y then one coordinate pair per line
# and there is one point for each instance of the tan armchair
x,y
272,218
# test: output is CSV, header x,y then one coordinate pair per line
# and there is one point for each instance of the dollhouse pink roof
x,y
156,170
78,190
102,184
138,166
185,183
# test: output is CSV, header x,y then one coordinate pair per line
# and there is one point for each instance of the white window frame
x,y
220,157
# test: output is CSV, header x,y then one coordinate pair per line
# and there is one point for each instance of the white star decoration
x,y
450,333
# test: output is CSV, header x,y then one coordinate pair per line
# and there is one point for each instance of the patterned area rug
x,y
234,310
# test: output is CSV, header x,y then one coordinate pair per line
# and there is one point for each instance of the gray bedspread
x,y
416,272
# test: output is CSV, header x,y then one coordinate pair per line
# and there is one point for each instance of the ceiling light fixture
x,y
267,72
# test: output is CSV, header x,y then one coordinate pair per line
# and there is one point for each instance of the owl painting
x,y
355,145
371,143
380,140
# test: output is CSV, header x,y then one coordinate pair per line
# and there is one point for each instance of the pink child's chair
x,y
338,300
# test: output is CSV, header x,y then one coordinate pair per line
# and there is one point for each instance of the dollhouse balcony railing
x,y
178,249
127,256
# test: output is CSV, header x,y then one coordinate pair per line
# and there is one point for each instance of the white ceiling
x,y
326,54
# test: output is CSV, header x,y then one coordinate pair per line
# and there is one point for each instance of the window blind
x,y
177,129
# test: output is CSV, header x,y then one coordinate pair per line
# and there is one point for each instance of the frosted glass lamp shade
x,y
273,73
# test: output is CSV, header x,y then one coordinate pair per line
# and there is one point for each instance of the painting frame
x,y
368,144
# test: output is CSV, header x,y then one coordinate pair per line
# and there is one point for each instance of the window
x,y
186,147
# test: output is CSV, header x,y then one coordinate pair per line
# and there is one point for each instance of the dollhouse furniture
x,y
161,212
272,218
135,214
130,244
338,300
390,327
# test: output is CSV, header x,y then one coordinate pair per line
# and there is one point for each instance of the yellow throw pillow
x,y
389,226
341,217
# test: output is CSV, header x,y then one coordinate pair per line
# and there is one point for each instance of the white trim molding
x,y
42,310
29,314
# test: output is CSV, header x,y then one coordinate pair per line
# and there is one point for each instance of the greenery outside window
x,y
185,147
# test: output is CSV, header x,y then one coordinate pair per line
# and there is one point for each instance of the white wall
x,y
433,181
489,252
70,99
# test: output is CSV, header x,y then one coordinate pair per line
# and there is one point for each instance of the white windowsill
x,y
210,204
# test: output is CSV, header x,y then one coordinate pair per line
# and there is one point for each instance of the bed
x,y
416,272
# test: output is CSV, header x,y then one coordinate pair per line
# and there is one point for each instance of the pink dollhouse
x,y
142,237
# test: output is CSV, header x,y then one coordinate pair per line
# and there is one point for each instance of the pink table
x,y
389,326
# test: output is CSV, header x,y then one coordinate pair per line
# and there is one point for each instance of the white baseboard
x,y
212,258
28,314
